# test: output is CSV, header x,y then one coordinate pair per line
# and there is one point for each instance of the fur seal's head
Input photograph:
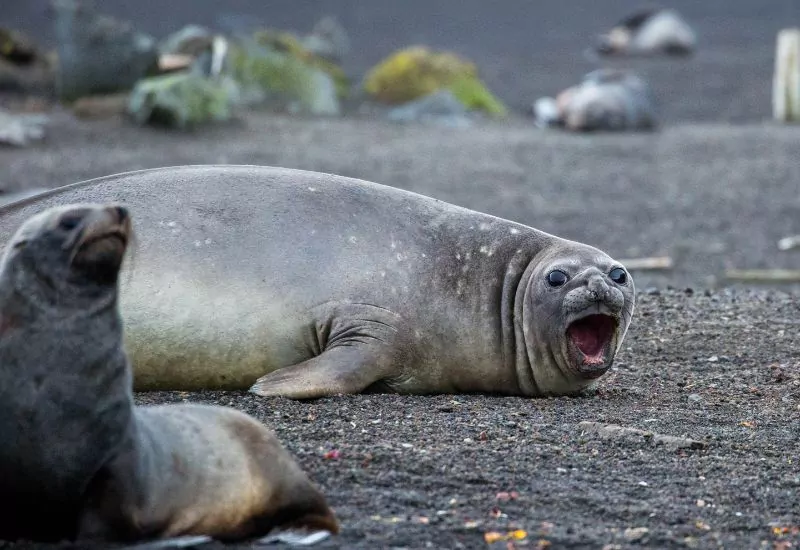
x,y
68,253
578,306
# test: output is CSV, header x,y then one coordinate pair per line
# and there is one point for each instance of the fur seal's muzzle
x,y
100,246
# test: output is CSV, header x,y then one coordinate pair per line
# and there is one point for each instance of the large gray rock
x,y
440,108
98,54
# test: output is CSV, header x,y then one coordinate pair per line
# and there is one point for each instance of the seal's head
x,y
578,305
68,253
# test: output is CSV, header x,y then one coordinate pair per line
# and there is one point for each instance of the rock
x,y
604,100
649,32
328,40
23,68
288,44
183,100
440,108
19,130
612,431
636,533
98,54
191,40
17,48
416,72
268,76
101,106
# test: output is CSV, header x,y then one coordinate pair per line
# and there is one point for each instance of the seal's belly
x,y
181,335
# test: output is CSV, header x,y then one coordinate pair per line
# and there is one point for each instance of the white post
x,y
786,80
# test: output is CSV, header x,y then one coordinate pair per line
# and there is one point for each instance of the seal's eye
x,y
557,278
69,222
618,275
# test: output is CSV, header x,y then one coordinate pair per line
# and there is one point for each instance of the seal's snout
x,y
121,213
100,248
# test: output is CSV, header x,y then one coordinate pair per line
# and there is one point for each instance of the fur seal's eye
x,y
618,275
557,278
69,222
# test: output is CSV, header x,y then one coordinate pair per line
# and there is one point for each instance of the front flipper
x,y
361,344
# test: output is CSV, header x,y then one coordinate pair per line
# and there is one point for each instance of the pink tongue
x,y
590,335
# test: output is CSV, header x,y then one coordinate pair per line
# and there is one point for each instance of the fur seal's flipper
x,y
359,344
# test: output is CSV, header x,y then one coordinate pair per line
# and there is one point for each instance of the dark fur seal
x,y
78,459
649,32
305,284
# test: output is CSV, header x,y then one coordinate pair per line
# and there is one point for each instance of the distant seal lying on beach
x,y
604,100
79,460
304,284
649,32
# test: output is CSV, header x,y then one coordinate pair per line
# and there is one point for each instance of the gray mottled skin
x,y
242,271
79,460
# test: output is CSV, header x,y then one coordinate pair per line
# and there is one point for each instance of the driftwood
x,y
642,264
764,275
786,79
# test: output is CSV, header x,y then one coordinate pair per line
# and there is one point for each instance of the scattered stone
x,y
636,533
19,130
183,100
612,431
295,538
328,40
440,108
416,72
649,32
695,398
98,54
101,106
604,100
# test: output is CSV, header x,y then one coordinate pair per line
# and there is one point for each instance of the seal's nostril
x,y
122,213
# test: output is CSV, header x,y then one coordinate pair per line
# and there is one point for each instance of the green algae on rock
x,y
183,100
418,71
269,75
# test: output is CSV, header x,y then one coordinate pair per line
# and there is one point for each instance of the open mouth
x,y
592,336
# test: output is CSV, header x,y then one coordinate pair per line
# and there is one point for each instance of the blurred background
x,y
712,189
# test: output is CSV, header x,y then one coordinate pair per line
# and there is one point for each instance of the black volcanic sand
x,y
721,369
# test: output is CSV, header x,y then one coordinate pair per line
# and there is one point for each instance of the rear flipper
x,y
362,344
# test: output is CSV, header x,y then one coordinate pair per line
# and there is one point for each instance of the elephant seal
x,y
303,284
80,461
